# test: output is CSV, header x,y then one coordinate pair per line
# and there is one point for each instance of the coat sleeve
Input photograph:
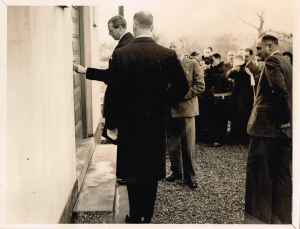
x,y
275,76
198,85
117,87
102,75
177,82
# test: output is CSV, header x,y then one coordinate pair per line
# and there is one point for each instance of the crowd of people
x,y
226,103
160,102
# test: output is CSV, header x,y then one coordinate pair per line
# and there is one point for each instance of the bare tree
x,y
286,39
225,43
186,45
260,27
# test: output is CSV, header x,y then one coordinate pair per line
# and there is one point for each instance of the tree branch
x,y
249,24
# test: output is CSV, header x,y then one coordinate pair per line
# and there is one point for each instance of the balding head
x,y
143,19
143,23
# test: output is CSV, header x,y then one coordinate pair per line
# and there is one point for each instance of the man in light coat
x,y
181,127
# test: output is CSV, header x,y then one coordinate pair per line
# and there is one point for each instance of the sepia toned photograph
x,y
148,112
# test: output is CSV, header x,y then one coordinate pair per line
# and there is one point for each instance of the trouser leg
x,y
282,182
133,198
258,197
188,147
174,145
268,181
220,120
147,200
142,198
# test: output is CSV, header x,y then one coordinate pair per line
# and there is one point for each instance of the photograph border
x,y
3,82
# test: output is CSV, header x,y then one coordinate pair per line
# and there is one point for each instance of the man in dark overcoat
x,y
242,98
220,87
268,183
117,27
148,78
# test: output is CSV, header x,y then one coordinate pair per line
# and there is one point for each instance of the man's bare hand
x,y
79,68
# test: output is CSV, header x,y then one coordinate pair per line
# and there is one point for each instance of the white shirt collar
x,y
150,36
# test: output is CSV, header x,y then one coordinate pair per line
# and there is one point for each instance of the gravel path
x,y
219,198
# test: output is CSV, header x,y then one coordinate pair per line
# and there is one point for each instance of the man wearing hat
x,y
268,183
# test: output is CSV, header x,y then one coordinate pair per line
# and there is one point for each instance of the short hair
x,y
269,37
217,55
194,53
144,19
249,50
118,21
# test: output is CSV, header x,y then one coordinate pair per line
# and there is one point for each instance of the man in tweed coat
x,y
269,183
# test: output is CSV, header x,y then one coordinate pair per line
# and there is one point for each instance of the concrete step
x,y
98,190
121,206
84,153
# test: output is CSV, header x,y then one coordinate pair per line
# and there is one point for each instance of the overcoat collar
x,y
143,39
125,40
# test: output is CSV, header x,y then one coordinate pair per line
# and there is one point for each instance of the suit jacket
x,y
105,75
242,93
148,78
273,100
195,78
219,82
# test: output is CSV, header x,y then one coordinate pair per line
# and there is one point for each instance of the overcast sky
x,y
202,19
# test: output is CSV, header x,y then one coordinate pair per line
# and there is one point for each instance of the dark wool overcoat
x,y
148,79
106,77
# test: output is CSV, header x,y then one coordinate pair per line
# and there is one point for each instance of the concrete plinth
x,y
98,191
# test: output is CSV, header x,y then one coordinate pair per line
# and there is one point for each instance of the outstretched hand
x,y
79,68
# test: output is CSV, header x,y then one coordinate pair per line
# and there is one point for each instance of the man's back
x,y
148,69
147,78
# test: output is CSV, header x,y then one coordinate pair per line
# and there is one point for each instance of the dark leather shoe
x,y
191,183
173,177
129,219
147,220
216,144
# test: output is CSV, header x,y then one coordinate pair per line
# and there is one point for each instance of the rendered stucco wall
x,y
3,81
40,158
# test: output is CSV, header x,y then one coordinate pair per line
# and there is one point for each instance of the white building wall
x,y
3,80
40,158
